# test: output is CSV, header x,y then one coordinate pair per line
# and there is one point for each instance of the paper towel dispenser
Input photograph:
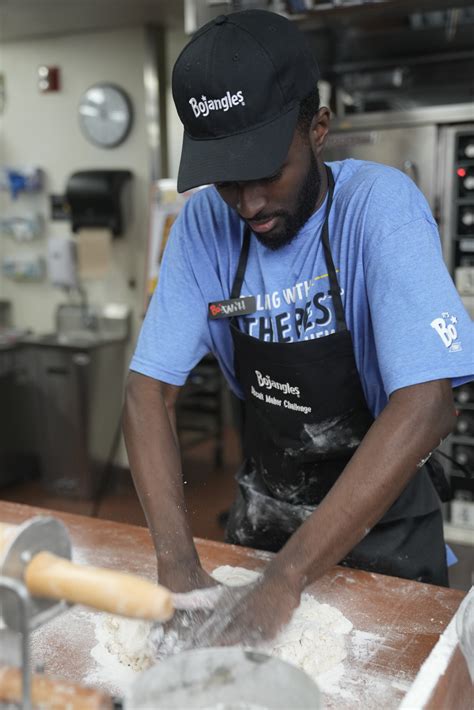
x,y
99,198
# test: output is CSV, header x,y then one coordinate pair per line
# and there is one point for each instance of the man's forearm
x,y
155,463
411,425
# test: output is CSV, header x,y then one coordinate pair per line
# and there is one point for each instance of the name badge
x,y
232,307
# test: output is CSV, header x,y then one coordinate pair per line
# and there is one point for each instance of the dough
x,y
129,640
314,639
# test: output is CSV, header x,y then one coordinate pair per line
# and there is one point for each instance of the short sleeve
x,y
174,334
422,330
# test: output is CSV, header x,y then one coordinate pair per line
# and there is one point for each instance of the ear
x,y
319,130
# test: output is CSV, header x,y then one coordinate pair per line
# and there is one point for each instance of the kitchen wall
x,y
43,130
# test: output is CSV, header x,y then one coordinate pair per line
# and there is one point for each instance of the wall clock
x,y
105,115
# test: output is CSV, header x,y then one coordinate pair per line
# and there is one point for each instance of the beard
x,y
292,222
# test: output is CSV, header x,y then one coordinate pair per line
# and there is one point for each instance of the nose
x,y
251,199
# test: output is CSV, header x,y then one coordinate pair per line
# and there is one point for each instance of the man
x,y
344,333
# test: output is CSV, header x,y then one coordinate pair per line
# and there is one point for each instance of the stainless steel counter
x,y
61,405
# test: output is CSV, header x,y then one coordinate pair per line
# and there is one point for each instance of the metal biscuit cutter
x,y
22,612
39,581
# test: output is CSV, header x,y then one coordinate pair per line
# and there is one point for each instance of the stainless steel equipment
x,y
21,613
73,380
416,141
230,678
17,450
435,147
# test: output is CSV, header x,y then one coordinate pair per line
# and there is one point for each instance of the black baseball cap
x,y
237,86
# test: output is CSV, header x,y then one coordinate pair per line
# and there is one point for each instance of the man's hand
x,y
194,595
249,614
184,577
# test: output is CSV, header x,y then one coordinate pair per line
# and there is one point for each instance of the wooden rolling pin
x,y
52,577
51,694
120,593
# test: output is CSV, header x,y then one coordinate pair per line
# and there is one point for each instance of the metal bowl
x,y
223,679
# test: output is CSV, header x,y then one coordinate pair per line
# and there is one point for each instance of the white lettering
x,y
272,400
289,294
299,290
194,106
276,300
230,308
224,103
268,383
447,332
296,407
268,301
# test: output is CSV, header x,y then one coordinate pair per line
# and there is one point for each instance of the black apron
x,y
305,415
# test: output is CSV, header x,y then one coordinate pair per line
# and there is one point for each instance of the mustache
x,y
262,217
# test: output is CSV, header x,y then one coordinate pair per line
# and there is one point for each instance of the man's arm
x,y
149,425
412,424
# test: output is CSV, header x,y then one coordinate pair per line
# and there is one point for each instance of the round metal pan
x,y
223,679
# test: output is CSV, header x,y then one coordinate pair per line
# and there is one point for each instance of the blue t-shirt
x,y
407,321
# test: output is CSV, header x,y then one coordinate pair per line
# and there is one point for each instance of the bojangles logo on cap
x,y
205,105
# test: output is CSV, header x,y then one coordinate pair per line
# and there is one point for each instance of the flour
x,y
128,640
117,662
314,639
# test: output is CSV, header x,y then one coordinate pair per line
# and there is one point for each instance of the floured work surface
x,y
396,622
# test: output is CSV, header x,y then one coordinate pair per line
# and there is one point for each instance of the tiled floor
x,y
209,491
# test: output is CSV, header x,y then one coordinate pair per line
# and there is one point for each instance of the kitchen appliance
x,y
73,380
435,147
17,446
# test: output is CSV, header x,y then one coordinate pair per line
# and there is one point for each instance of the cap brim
x,y
245,156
